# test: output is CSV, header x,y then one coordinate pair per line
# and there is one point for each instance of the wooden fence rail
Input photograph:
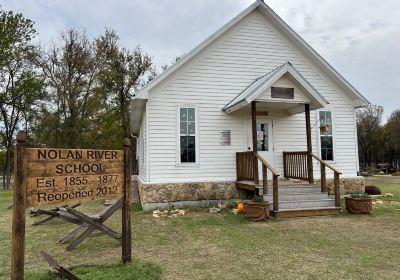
x,y
245,166
295,165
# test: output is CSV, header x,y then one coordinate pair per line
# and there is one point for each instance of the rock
x,y
214,210
182,212
234,211
377,202
174,215
156,215
221,205
389,195
157,212
373,190
187,191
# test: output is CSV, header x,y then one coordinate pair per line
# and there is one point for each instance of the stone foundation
x,y
195,194
173,192
347,185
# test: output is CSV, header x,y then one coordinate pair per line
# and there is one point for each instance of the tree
x,y
123,72
392,139
71,69
369,132
20,87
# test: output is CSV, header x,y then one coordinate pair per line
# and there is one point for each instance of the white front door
x,y
265,142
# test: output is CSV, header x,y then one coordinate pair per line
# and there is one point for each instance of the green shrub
x,y
360,195
258,198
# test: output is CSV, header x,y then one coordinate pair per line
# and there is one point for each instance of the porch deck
x,y
289,198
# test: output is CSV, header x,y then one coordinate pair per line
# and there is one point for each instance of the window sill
x,y
187,165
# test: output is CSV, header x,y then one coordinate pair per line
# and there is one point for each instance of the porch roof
x,y
259,85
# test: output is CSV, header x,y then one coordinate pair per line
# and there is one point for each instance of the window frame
x,y
332,135
178,136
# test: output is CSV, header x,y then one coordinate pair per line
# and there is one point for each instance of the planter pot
x,y
359,205
324,128
256,211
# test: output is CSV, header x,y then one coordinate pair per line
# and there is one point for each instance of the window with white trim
x,y
187,134
326,135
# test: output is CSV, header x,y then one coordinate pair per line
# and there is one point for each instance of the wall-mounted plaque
x,y
225,138
281,92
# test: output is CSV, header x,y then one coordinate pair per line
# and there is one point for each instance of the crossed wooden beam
x,y
89,224
54,213
62,271
85,222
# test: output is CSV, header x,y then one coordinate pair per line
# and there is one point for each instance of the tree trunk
x,y
7,168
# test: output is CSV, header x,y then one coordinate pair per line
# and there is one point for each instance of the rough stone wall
x,y
347,185
161,193
172,192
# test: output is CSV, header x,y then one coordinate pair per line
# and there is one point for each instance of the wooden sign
x,y
70,175
262,113
45,176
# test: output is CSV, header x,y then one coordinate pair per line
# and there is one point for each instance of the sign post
x,y
19,209
126,205
45,176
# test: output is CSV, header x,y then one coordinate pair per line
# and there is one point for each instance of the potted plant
x,y
324,128
256,209
359,203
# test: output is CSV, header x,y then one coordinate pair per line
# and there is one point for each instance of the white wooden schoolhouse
x,y
248,109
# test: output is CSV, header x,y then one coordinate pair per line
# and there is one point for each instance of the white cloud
x,y
360,38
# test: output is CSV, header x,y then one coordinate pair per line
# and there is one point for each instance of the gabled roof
x,y
268,12
259,85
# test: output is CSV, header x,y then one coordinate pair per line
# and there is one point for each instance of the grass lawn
x,y
201,245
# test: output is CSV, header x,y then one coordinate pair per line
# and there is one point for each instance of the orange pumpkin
x,y
240,207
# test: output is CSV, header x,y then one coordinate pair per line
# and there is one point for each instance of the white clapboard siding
x,y
216,75
142,148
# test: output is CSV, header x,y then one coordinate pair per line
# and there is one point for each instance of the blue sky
x,y
360,38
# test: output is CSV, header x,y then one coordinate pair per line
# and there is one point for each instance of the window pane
x,y
327,147
191,114
184,143
191,142
188,148
329,154
326,142
192,156
183,114
184,129
328,118
184,157
191,128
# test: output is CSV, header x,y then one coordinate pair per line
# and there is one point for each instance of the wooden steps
x,y
304,212
296,199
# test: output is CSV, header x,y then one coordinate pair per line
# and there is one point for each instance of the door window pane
x,y
262,137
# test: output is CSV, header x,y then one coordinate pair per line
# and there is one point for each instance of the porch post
x,y
254,138
309,145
